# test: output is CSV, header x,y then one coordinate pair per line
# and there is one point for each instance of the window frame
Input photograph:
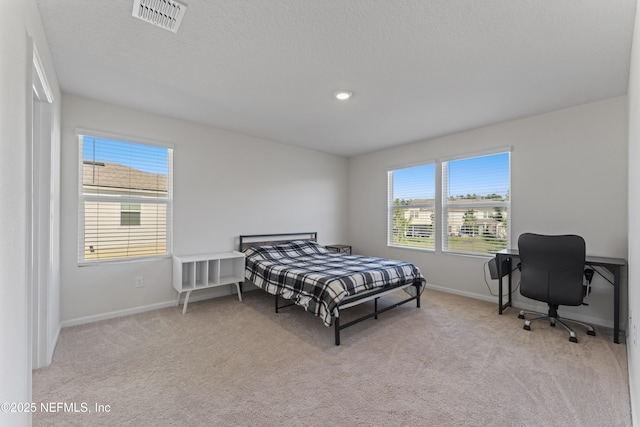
x,y
131,200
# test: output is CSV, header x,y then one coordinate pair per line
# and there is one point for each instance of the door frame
x,y
40,205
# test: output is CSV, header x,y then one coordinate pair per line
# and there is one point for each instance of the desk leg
x,y
509,304
616,304
502,306
499,263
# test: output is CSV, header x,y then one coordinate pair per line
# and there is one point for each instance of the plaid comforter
x,y
314,278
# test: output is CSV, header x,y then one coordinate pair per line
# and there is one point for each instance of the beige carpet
x,y
453,362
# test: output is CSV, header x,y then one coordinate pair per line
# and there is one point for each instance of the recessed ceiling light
x,y
343,95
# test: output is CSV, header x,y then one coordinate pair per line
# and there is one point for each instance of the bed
x,y
294,267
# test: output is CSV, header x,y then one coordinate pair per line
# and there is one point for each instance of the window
x,y
476,204
473,205
129,214
125,199
411,206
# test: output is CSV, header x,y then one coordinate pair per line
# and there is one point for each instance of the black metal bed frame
x,y
349,302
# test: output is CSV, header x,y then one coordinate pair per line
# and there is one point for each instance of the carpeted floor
x,y
453,362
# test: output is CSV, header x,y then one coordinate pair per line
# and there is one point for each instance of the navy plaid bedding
x,y
318,280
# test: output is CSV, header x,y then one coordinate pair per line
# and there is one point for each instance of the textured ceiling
x,y
418,68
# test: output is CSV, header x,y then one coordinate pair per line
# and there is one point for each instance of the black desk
x,y
612,264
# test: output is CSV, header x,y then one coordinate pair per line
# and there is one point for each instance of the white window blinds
x,y
411,206
125,199
476,204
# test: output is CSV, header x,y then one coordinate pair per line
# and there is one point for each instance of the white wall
x,y
633,350
569,175
225,184
20,29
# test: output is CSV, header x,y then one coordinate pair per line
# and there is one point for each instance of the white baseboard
x,y
205,294
633,386
224,291
473,295
117,313
525,305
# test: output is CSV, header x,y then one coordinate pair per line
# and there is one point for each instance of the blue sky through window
x,y
147,158
482,175
417,182
479,175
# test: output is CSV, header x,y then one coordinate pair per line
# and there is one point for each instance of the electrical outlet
x,y
139,281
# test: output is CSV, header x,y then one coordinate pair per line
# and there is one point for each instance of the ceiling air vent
x,y
165,14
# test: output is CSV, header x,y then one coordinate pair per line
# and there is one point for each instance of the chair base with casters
x,y
553,318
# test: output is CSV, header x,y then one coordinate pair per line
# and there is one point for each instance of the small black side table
x,y
340,249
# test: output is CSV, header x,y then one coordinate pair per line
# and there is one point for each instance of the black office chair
x,y
552,269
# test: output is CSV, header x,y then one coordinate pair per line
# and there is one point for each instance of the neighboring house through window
x,y
125,198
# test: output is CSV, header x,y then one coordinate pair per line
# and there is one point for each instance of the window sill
x,y
123,261
468,254
412,248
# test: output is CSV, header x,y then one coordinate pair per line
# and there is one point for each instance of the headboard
x,y
254,240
